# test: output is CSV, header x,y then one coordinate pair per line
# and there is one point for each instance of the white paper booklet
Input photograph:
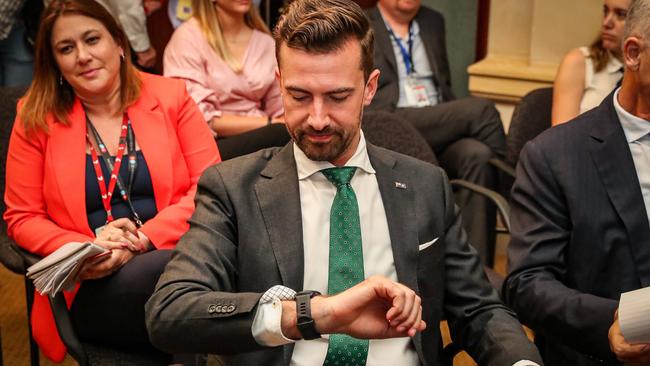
x,y
59,270
634,315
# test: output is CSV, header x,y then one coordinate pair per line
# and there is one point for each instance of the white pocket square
x,y
424,246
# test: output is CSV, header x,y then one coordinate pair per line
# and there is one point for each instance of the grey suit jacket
x,y
580,236
246,237
432,32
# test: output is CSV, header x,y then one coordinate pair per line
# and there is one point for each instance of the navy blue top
x,y
141,193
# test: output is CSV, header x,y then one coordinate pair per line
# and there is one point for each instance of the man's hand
x,y
376,308
147,58
631,354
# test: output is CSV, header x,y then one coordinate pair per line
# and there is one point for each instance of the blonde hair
x,y
206,14
49,94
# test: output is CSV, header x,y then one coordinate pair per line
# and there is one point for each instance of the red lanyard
x,y
108,193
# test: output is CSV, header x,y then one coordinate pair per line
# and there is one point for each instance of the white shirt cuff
x,y
525,363
267,324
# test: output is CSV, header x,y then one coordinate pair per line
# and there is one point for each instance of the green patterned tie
x,y
346,263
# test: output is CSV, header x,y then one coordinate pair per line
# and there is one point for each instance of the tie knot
x,y
339,176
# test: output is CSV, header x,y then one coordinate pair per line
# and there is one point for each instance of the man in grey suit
x,y
390,256
580,231
415,84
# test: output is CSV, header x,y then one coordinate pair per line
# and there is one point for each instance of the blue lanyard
x,y
406,55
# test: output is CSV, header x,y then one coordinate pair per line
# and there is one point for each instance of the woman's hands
x,y
123,239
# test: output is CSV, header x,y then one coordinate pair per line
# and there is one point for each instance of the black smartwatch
x,y
305,322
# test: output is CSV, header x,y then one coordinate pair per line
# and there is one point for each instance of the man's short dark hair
x,y
323,26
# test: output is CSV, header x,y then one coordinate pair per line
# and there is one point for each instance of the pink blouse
x,y
213,85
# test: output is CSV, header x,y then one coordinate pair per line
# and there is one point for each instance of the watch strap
x,y
304,321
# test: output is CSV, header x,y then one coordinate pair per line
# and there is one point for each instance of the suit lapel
x,y
615,165
68,144
382,38
150,128
279,199
398,199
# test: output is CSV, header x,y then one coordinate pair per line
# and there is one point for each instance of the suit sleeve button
x,y
231,308
212,309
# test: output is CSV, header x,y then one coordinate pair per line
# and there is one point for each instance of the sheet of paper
x,y
59,270
634,315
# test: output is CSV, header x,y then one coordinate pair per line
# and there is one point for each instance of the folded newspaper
x,y
59,270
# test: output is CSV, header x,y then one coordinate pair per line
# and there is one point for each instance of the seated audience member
x,y
226,56
580,203
374,231
415,83
588,74
88,106
131,15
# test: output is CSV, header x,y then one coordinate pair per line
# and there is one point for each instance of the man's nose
x,y
318,116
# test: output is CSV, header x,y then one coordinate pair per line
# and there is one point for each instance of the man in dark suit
x,y
580,233
415,84
390,255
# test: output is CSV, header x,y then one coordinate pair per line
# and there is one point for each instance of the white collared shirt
x,y
316,197
636,132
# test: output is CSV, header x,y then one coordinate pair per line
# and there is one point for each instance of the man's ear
x,y
278,77
371,87
631,52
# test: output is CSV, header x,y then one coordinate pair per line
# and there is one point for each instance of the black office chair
x,y
530,118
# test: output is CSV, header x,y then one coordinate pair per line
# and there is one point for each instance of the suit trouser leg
x,y
465,134
445,123
468,159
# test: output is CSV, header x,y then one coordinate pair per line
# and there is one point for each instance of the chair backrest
x,y
388,131
530,118
9,256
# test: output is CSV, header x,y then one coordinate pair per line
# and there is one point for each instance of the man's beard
x,y
326,151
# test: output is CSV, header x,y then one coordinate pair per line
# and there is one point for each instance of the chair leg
x,y
33,347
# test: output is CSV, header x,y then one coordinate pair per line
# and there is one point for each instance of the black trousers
x,y
110,311
465,134
248,142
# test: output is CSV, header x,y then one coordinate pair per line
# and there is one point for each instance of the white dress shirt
x,y
636,132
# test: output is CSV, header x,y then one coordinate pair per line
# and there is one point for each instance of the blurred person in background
x,y
16,58
226,56
588,74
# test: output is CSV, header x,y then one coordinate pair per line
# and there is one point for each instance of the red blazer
x,y
45,188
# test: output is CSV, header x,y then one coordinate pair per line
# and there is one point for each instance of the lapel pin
x,y
400,185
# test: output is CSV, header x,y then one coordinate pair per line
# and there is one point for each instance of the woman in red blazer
x,y
87,111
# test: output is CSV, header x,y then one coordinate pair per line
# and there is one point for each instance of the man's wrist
x,y
319,313
289,320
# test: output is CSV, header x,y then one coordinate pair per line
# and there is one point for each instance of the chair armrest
x,y
503,166
15,258
66,331
502,205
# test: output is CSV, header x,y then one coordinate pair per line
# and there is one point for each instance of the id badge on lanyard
x,y
416,92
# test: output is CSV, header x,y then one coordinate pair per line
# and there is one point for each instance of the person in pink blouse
x,y
226,56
